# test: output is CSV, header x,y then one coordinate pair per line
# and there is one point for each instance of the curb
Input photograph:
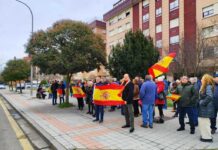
x,y
48,138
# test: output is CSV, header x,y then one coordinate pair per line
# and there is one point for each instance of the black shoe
x,y
206,140
192,132
181,129
187,123
126,126
174,116
151,127
95,120
101,121
131,130
144,126
213,131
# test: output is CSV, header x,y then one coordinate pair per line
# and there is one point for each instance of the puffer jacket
x,y
206,107
188,95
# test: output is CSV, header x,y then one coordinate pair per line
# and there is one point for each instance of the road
x,y
8,139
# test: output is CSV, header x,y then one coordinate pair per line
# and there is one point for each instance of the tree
x,y
66,48
134,57
16,70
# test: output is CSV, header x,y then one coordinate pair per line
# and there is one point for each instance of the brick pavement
x,y
74,129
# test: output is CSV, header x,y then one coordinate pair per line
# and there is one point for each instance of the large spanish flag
x,y
162,66
78,92
173,97
108,95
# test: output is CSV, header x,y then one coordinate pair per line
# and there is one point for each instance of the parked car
x,y
2,86
28,85
22,86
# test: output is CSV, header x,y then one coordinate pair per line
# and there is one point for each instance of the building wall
x,y
112,40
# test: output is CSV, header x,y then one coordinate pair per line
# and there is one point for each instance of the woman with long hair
x,y
206,107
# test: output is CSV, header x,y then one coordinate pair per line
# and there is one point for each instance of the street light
x,y
31,67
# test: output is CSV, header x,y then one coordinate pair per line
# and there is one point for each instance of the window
x,y
159,28
208,11
174,23
145,17
174,5
159,44
146,32
145,3
210,52
119,29
210,31
174,39
158,12
111,32
128,25
127,14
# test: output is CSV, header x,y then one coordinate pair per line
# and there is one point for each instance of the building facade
x,y
172,24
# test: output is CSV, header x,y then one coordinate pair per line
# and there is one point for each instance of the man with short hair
x,y
127,96
186,103
148,93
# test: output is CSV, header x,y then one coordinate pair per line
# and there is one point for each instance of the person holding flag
x,y
127,96
99,109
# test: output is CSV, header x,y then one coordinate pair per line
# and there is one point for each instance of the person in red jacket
x,y
160,97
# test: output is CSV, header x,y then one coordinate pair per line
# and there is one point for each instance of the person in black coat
x,y
54,88
127,96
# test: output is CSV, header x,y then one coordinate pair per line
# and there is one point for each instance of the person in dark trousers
x,y
186,103
80,99
160,100
213,120
127,96
62,88
136,98
54,88
99,110
89,101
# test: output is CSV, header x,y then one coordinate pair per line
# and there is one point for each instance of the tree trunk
x,y
12,86
67,86
20,87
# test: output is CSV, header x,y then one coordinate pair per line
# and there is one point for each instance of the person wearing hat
x,y
213,120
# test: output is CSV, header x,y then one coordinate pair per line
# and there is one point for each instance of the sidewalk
x,y
72,129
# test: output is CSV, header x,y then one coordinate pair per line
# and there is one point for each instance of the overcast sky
x,y
15,20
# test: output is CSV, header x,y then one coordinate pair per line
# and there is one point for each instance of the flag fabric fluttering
x,y
173,97
78,92
162,66
108,95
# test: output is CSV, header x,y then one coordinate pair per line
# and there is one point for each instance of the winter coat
x,y
148,92
206,107
160,90
188,94
136,92
216,96
127,94
89,94
54,87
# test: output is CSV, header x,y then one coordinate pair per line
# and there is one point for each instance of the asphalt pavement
x,y
8,139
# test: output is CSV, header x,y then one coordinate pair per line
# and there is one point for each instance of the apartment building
x,y
169,23
99,27
207,20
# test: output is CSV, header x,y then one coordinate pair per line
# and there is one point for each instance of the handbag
x,y
161,96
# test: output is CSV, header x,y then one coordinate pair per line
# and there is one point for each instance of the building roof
x,y
120,6
98,24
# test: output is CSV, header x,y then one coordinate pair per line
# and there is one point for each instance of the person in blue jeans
x,y
99,110
148,94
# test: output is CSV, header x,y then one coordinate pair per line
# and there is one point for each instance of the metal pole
x,y
31,68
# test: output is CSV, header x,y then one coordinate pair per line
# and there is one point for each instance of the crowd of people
x,y
198,101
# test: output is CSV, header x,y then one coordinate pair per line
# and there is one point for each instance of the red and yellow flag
x,y
162,66
60,91
173,97
78,92
108,95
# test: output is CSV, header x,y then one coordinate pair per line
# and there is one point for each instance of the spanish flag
x,y
162,66
78,92
108,95
173,97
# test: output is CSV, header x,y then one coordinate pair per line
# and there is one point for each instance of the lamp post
x,y
31,67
